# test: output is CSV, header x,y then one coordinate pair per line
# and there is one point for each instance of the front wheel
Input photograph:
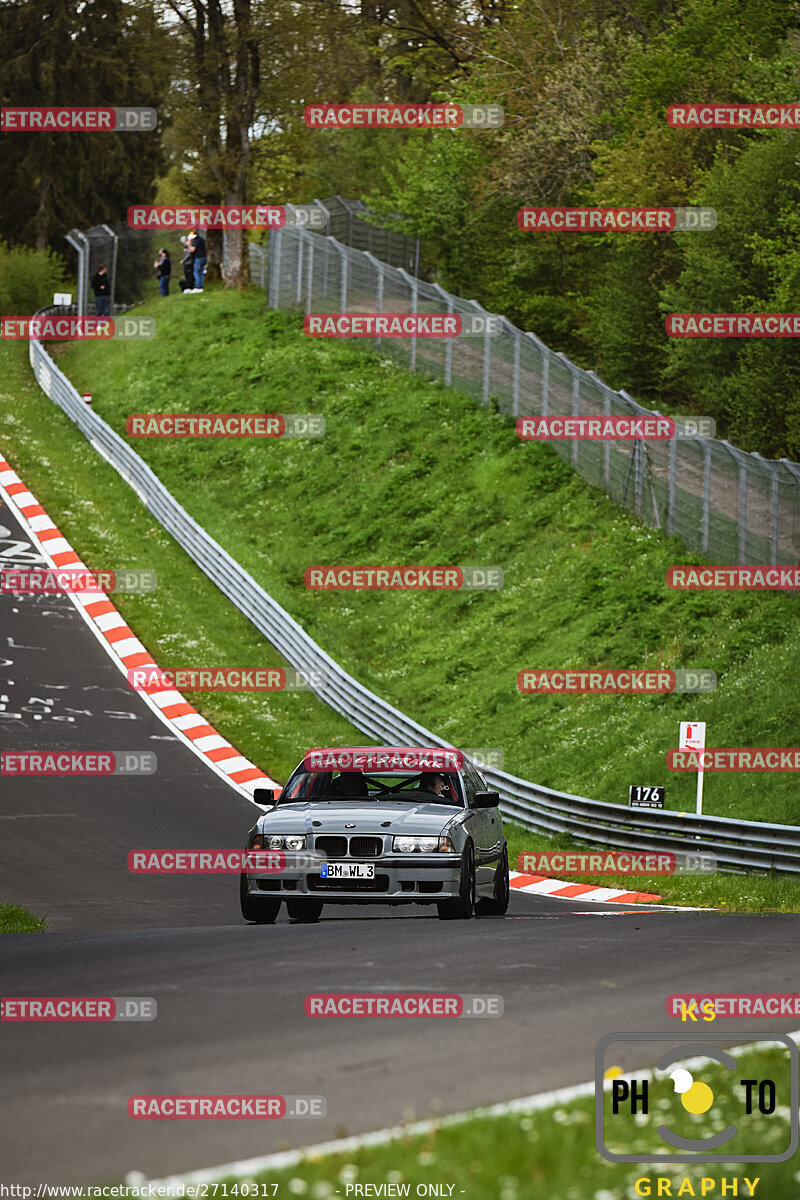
x,y
304,911
463,906
261,911
498,905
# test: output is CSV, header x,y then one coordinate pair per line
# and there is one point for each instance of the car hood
x,y
368,818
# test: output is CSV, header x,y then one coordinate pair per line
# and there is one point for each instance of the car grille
x,y
359,847
334,847
379,884
365,847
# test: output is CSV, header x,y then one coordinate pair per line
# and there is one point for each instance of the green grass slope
x,y
412,472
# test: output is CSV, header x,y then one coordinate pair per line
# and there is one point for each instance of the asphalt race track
x,y
230,996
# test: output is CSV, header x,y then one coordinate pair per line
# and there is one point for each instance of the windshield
x,y
410,787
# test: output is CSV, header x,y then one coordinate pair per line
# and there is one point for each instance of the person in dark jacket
x,y
200,259
101,286
187,262
163,266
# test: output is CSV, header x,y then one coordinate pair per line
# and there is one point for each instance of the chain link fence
x,y
737,507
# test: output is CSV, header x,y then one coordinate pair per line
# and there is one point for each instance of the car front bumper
x,y
398,879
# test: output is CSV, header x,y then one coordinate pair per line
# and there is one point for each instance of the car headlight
x,y
282,841
416,845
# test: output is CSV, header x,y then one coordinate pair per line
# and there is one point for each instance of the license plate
x,y
347,871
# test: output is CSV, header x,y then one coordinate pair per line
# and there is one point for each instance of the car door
x,y
482,827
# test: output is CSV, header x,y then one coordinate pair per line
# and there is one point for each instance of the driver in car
x,y
435,783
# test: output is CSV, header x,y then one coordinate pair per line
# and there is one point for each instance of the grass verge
x,y
18,920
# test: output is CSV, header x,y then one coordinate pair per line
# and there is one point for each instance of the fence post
x,y
378,267
773,507
513,332
487,354
741,461
706,495
448,342
343,287
673,469
115,241
413,283
310,288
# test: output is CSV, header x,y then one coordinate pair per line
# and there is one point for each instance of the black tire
x,y
259,911
463,907
498,905
304,911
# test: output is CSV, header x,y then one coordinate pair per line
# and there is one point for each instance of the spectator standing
x,y
187,262
200,259
101,286
163,266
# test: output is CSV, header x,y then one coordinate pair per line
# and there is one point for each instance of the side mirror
x,y
265,796
486,800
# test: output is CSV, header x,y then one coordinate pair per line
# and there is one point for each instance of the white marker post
x,y
693,737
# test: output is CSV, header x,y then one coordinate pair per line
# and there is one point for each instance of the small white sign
x,y
62,299
692,735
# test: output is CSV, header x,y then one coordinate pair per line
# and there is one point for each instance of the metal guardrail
x,y
736,844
